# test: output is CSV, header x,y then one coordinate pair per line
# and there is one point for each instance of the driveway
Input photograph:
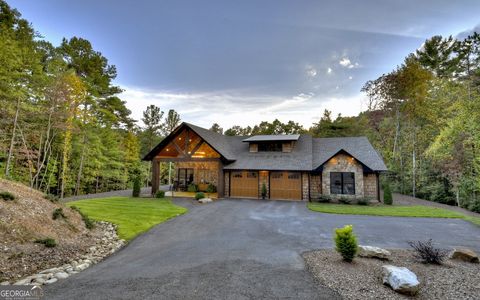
x,y
243,249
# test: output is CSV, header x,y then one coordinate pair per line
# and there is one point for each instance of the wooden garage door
x,y
286,185
244,184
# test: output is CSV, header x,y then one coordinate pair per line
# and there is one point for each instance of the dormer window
x,y
270,147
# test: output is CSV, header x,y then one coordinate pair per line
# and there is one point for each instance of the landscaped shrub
x,y
387,194
137,185
7,196
346,242
88,222
51,197
363,201
192,188
211,188
264,190
199,195
58,213
48,242
344,200
324,199
427,253
160,194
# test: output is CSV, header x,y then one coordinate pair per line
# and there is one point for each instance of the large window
x,y
342,183
270,146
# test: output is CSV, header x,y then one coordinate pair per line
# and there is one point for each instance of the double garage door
x,y
283,185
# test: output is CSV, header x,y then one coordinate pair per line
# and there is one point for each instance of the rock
x,y
400,279
23,281
39,281
61,275
81,267
52,270
53,280
465,255
375,252
5,283
205,200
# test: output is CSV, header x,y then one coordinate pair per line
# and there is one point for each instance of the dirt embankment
x,y
29,218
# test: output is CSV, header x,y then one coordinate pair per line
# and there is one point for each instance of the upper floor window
x,y
342,183
270,146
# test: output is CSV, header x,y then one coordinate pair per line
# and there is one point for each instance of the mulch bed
x,y
362,279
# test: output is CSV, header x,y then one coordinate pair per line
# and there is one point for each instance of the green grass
x,y
394,211
132,215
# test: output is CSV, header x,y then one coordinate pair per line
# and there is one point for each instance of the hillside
x,y
29,218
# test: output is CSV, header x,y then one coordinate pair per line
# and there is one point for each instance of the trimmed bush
x,y
192,188
7,196
427,253
264,190
160,194
58,213
363,201
137,185
344,200
52,198
387,194
211,188
88,222
346,242
324,199
199,195
48,242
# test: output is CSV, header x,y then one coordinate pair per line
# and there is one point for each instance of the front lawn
x,y
387,210
132,215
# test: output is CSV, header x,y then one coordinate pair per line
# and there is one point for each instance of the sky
x,y
242,62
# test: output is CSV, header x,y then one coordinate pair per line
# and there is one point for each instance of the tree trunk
x,y
12,140
80,167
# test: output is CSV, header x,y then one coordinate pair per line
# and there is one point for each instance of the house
x,y
293,167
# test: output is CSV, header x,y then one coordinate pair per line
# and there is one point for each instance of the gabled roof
x,y
273,138
308,154
358,147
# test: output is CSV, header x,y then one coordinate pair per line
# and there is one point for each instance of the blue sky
x,y
241,62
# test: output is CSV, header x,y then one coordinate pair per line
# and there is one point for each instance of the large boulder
x,y
465,255
373,252
205,200
400,279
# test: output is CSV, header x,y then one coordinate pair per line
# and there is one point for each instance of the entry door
x,y
286,185
185,177
244,184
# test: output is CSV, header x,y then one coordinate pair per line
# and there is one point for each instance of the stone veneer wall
x,y
343,163
227,183
370,186
211,166
305,186
264,175
315,186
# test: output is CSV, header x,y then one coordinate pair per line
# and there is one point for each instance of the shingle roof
x,y
308,154
273,137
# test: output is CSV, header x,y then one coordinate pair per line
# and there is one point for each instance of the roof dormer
x,y
272,143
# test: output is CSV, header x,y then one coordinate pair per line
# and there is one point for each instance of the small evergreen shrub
x,y
346,242
387,194
160,194
48,242
344,200
52,198
363,201
58,213
324,199
427,253
137,185
264,190
211,188
88,222
199,195
192,188
7,196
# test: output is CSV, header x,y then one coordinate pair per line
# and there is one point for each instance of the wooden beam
x,y
195,149
186,159
155,176
179,150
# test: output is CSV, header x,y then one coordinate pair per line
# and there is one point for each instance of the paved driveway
x,y
242,249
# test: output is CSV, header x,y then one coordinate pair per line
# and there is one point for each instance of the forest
x,y
65,130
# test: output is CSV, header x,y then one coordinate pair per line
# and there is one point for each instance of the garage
x,y
286,185
244,184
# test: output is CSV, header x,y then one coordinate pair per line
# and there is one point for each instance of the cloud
x,y
229,108
329,70
345,62
311,71
464,34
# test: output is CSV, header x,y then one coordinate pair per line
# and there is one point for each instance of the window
x,y
251,174
270,146
342,183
